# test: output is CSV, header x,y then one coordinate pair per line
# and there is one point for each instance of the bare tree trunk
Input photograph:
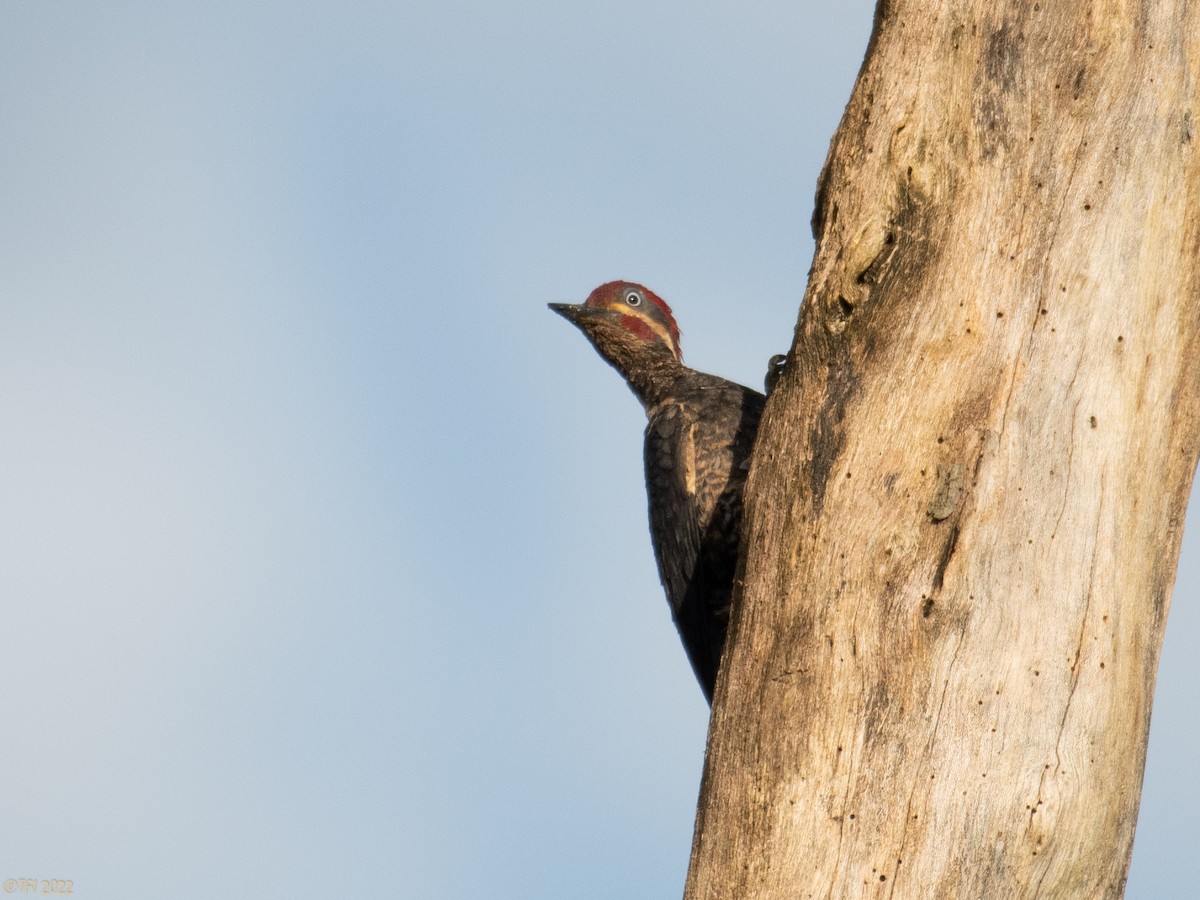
x,y
967,496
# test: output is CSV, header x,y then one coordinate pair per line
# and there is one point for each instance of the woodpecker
x,y
699,438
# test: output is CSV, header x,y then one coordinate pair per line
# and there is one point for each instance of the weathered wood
x,y
965,508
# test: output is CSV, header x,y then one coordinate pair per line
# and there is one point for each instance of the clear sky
x,y
324,568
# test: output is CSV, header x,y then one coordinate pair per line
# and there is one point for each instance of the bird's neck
x,y
651,371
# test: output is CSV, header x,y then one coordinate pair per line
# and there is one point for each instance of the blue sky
x,y
324,568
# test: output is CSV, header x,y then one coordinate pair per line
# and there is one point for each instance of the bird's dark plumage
x,y
699,438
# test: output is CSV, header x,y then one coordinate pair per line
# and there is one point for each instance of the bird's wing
x,y
675,531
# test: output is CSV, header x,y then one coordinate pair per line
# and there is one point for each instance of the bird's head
x,y
623,312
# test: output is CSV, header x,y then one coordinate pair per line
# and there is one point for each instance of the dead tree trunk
x,y
966,502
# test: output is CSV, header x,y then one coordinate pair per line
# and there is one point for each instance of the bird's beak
x,y
575,313
578,313
569,311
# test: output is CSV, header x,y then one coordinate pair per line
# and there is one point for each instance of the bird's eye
x,y
633,298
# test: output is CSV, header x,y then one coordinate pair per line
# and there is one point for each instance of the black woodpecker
x,y
699,438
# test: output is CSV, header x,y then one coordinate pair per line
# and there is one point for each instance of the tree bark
x,y
964,512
